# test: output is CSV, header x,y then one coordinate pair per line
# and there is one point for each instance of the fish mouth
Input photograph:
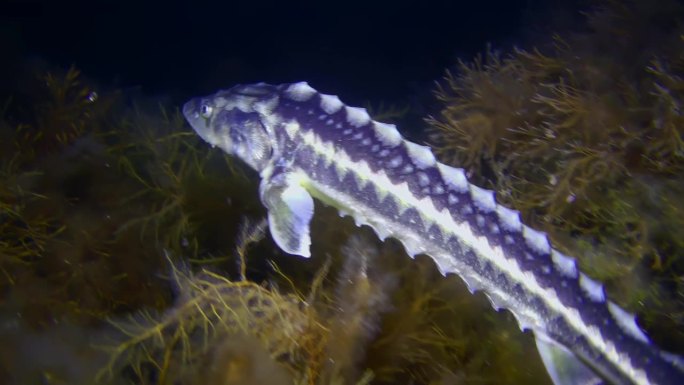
x,y
190,110
197,122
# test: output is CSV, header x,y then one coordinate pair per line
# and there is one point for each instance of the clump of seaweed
x,y
379,319
23,234
178,187
398,319
62,109
438,332
211,317
92,191
218,330
44,132
584,137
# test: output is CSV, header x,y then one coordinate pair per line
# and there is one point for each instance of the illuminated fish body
x,y
306,145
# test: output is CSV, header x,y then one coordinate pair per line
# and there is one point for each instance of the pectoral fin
x,y
563,366
290,208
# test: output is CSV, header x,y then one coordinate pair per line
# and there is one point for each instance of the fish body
x,y
306,145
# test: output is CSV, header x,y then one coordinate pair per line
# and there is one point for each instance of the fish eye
x,y
205,110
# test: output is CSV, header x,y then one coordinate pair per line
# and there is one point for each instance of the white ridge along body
x,y
310,145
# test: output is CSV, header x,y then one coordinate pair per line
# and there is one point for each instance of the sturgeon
x,y
305,144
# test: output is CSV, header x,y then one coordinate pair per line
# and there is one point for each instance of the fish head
x,y
237,121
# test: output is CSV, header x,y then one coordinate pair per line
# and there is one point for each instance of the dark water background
x,y
362,50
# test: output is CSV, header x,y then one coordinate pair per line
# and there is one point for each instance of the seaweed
x,y
62,109
23,234
219,330
210,313
584,136
366,313
92,192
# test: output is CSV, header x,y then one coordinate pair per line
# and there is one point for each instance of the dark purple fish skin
x,y
564,306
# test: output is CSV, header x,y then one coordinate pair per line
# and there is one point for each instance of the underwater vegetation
x,y
84,203
73,237
117,224
379,320
92,190
131,254
584,136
